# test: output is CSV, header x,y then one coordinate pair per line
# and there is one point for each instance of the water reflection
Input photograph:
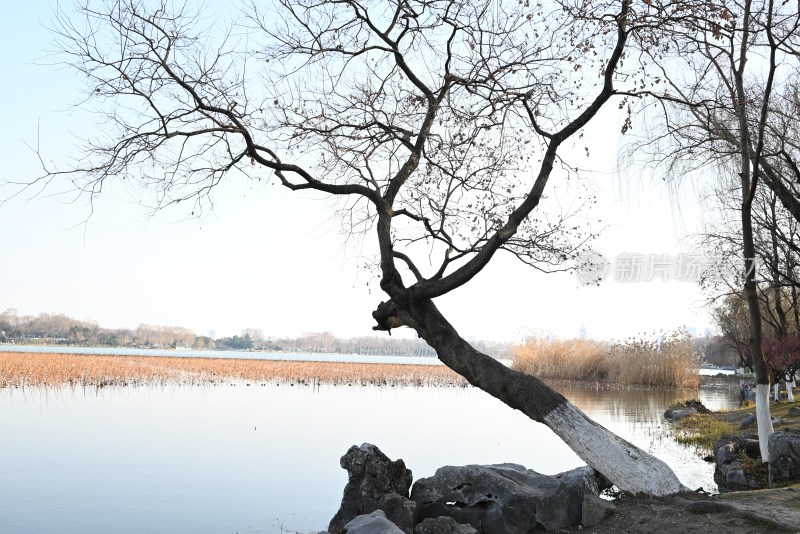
x,y
265,458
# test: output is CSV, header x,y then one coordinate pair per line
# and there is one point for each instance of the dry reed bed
x,y
35,369
670,360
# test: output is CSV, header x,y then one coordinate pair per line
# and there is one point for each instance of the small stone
x,y
747,420
373,523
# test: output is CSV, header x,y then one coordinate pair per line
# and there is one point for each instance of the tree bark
x,y
749,183
631,469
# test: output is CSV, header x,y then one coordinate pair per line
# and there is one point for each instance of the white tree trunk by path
x,y
776,392
789,392
764,419
611,455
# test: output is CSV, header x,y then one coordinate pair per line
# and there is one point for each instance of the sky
x,y
271,259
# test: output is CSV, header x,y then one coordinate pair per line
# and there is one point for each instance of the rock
x,y
505,498
747,420
443,525
578,483
784,454
750,419
401,510
685,408
595,510
794,411
729,472
374,483
373,523
676,414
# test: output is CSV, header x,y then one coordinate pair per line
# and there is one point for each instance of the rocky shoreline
x,y
471,499
736,453
509,499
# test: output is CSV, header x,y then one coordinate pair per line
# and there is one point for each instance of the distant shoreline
x,y
96,349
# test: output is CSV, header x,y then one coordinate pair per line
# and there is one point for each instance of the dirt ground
x,y
743,512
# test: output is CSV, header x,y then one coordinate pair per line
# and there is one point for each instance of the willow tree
x,y
437,123
725,75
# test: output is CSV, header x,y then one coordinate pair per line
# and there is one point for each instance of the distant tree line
x,y
58,329
373,345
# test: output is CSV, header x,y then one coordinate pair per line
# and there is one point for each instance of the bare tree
x,y
437,123
715,75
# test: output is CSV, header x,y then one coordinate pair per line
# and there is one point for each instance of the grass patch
x,y
781,409
702,431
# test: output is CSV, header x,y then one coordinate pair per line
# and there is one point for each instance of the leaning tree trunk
x,y
631,469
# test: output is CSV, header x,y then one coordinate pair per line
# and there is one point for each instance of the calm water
x,y
237,458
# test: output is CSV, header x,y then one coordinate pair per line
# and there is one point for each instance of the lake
x,y
238,458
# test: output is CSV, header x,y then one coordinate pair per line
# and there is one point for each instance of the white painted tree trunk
x,y
764,418
789,392
631,469
776,392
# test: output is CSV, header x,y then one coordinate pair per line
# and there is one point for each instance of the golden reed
x,y
46,369
667,360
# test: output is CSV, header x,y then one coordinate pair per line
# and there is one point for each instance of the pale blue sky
x,y
267,258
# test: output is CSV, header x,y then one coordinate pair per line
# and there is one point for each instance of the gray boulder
x,y
373,523
595,510
505,498
747,420
676,414
794,411
750,419
729,471
374,483
784,454
443,525
400,509
579,483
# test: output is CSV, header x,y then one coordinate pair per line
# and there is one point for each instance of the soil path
x,y
743,512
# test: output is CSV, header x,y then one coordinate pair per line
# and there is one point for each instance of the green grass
x,y
702,431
